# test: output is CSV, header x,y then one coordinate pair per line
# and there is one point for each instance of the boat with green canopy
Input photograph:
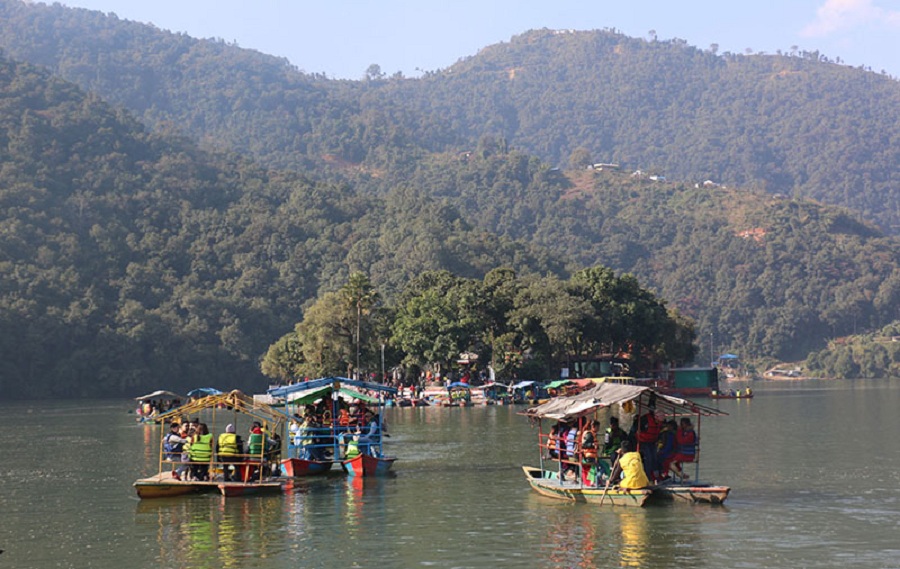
x,y
337,424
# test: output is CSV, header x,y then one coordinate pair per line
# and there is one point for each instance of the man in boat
x,y
685,446
229,448
173,444
633,475
612,439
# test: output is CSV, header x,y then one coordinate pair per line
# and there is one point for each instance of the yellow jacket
x,y
633,471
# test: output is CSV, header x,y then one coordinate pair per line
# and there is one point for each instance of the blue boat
x,y
328,433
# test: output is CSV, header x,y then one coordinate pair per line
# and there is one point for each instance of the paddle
x,y
609,480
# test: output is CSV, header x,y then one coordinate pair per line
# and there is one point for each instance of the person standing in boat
x,y
590,452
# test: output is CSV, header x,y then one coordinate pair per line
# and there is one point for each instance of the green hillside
x,y
131,260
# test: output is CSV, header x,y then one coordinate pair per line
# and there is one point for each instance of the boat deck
x,y
164,485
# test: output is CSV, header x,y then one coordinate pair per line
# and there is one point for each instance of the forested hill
x,y
131,260
795,124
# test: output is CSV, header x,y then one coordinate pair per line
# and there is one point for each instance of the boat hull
x,y
692,493
163,485
299,467
545,485
235,489
367,465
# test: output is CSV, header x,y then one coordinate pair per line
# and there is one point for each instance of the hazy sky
x,y
341,38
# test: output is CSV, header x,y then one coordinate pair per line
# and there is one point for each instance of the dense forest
x,y
795,123
190,203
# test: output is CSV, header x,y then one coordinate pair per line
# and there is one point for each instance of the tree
x,y
359,296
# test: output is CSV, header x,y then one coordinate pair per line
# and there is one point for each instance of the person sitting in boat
x,y
229,447
173,443
370,441
666,447
647,435
632,468
612,439
685,448
201,452
572,441
553,441
350,442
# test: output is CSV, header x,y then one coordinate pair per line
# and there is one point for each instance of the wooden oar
x,y
609,480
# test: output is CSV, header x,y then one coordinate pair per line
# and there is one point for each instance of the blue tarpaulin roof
x,y
203,392
286,390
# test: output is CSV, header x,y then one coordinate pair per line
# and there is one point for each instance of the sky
x,y
342,38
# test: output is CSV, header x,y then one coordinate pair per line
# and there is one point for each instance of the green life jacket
x,y
352,448
255,444
201,448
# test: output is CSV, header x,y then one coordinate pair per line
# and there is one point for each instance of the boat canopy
x,y
306,397
160,393
204,392
523,384
493,385
458,385
558,383
328,382
232,401
567,408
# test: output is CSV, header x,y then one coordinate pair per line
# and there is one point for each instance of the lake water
x,y
814,467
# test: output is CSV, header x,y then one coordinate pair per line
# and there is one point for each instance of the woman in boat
x,y
633,475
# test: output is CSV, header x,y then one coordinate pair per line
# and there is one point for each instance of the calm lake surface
x,y
814,467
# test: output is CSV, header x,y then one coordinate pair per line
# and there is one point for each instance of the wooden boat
x,y
627,402
311,448
253,472
163,485
300,467
731,395
458,395
368,465
548,483
694,493
233,489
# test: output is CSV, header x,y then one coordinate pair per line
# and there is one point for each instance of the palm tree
x,y
359,293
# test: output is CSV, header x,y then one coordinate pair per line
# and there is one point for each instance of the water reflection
x,y
210,531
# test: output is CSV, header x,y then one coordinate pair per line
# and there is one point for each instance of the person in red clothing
x,y
685,447
649,426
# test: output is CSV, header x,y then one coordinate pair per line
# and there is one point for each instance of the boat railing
x,y
316,443
247,467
